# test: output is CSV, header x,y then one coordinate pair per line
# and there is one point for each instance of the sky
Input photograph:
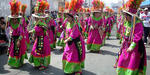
x,y
108,2
146,2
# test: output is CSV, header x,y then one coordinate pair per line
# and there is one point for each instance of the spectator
x,y
2,29
146,21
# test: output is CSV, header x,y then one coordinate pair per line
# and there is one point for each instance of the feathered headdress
x,y
111,11
41,6
66,5
87,10
106,9
82,10
66,10
132,6
15,7
75,5
61,9
23,8
97,5
119,10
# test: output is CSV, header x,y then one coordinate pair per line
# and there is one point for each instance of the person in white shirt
x,y
146,21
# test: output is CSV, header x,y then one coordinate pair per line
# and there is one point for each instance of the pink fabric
x,y
22,49
50,33
93,36
47,50
70,51
83,24
58,29
26,33
131,60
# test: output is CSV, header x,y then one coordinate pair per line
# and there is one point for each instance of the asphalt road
x,y
95,64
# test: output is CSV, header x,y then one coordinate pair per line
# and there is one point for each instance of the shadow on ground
x,y
3,61
51,70
48,71
148,57
87,73
57,51
105,52
111,45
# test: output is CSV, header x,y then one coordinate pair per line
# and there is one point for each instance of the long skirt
x,y
17,54
94,41
73,57
134,62
41,58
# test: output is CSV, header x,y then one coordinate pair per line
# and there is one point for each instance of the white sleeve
x,y
141,16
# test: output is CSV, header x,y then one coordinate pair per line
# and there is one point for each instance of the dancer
x,y
41,51
132,58
74,52
17,49
94,40
25,25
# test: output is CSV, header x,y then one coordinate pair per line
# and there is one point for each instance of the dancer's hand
x,y
18,43
65,41
91,27
129,50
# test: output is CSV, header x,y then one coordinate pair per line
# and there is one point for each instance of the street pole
x,y
30,7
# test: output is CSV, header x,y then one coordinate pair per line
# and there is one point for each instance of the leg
x,y
145,34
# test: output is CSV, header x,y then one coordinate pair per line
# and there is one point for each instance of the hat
x,y
40,8
15,9
97,6
132,6
146,9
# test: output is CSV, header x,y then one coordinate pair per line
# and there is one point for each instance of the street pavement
x,y
95,64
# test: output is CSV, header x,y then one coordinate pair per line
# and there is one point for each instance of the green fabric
x,y
69,26
42,23
61,43
16,62
118,35
33,31
123,71
26,56
128,28
104,42
95,18
58,16
132,46
15,26
20,37
53,45
70,38
108,34
70,67
121,40
85,35
28,45
47,20
58,34
94,47
40,61
129,25
26,19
